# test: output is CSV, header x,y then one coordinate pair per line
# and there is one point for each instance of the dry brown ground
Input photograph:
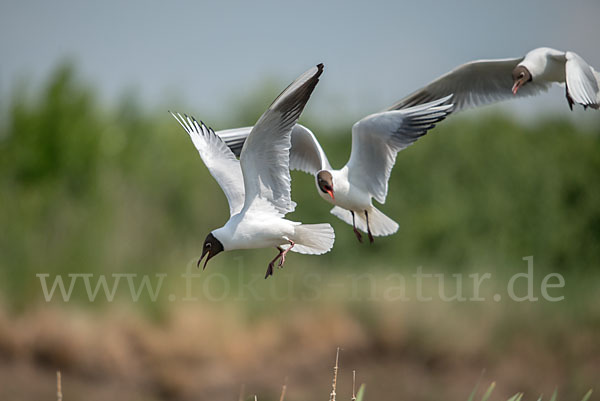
x,y
208,352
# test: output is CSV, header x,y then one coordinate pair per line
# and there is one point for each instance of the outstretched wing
x,y
582,81
234,138
377,139
220,161
265,156
306,153
473,84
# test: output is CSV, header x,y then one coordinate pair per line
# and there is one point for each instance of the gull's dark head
x,y
212,246
520,76
325,182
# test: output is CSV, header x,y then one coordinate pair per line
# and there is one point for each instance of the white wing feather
x,y
265,154
582,81
306,153
235,138
220,161
377,139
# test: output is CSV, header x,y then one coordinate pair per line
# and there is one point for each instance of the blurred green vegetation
x,y
90,189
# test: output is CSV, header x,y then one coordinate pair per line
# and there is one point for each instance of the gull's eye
x,y
208,244
521,75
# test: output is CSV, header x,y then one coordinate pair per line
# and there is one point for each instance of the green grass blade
x,y
489,392
361,393
554,394
472,396
587,395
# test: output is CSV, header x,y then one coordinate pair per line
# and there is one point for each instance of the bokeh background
x,y
96,178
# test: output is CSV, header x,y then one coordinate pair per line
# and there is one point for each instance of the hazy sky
x,y
202,54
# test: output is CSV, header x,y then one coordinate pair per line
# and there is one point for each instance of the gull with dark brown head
x,y
488,81
257,186
376,140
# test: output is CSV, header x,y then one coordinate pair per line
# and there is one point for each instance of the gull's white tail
x,y
313,239
380,224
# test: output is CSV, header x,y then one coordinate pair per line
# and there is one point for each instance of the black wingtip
x,y
320,67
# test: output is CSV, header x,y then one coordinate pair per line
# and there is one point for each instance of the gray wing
x,y
235,138
219,160
306,153
377,139
473,84
266,152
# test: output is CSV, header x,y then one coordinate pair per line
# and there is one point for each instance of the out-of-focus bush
x,y
90,189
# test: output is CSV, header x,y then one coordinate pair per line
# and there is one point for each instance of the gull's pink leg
x,y
369,228
356,232
282,260
270,268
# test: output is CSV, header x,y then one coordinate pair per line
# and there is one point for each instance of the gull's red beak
x,y
516,86
330,192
